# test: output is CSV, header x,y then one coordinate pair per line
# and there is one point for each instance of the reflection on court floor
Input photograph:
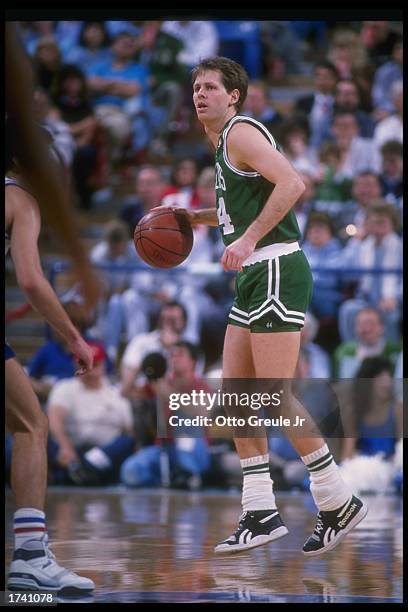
x,y
157,546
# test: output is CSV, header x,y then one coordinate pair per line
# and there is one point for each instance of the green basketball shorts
x,y
273,295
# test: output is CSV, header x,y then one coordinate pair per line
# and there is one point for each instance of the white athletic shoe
x,y
34,568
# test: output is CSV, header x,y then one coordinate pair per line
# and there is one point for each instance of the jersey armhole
x,y
258,126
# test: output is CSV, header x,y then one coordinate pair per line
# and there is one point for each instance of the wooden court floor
x,y
157,546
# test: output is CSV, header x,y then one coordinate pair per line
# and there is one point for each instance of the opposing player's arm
x,y
248,149
25,229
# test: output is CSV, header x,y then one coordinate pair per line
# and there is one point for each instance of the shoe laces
x,y
319,525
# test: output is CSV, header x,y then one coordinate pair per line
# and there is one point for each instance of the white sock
x,y
257,490
327,487
29,524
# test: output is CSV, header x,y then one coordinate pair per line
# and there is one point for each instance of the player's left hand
x,y
236,253
84,356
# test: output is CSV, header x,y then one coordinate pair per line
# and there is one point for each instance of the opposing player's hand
x,y
236,253
84,356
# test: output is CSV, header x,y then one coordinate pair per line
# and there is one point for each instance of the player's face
x,y
211,99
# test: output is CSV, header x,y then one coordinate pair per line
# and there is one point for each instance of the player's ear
x,y
234,96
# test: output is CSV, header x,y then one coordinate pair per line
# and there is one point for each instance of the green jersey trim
x,y
257,124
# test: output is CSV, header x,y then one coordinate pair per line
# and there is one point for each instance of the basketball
x,y
163,238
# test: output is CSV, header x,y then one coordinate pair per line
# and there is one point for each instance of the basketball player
x,y
34,567
256,187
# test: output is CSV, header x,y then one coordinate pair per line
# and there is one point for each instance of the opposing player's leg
x,y
275,355
33,567
260,521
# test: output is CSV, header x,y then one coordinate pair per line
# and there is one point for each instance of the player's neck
x,y
214,128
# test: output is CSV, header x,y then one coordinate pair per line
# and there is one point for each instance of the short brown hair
x,y
233,76
383,208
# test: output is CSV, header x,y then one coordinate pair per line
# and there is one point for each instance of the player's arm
x,y
206,216
25,229
248,149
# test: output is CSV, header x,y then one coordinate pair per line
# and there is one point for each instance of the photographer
x,y
176,461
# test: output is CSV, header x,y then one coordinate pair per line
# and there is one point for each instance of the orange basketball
x,y
163,238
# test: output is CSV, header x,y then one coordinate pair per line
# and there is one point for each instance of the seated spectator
x,y
384,79
366,190
120,89
199,38
47,62
177,461
63,143
357,154
374,420
317,107
379,39
370,341
159,50
323,250
346,52
391,127
391,177
318,361
347,98
92,47
148,193
258,106
333,190
182,190
32,31
52,362
72,105
91,428
295,144
380,249
170,329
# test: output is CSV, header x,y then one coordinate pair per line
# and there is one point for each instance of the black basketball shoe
x,y
331,527
256,527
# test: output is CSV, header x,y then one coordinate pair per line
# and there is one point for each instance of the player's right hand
x,y
84,356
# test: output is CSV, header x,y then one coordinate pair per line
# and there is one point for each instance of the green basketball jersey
x,y
241,195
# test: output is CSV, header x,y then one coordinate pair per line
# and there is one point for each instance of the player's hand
x,y
190,214
84,356
236,253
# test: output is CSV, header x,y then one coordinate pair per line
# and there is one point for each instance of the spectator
x,y
366,189
52,361
148,194
183,188
257,106
74,107
347,99
392,172
92,48
187,459
374,423
120,88
32,31
357,154
370,341
63,143
333,189
170,329
323,250
47,62
384,79
294,139
381,249
159,50
318,362
379,39
199,38
347,53
91,427
391,128
317,107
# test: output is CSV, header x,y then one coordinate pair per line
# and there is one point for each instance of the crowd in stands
x,y
116,97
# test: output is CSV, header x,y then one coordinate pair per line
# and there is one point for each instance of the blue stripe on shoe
x,y
30,519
